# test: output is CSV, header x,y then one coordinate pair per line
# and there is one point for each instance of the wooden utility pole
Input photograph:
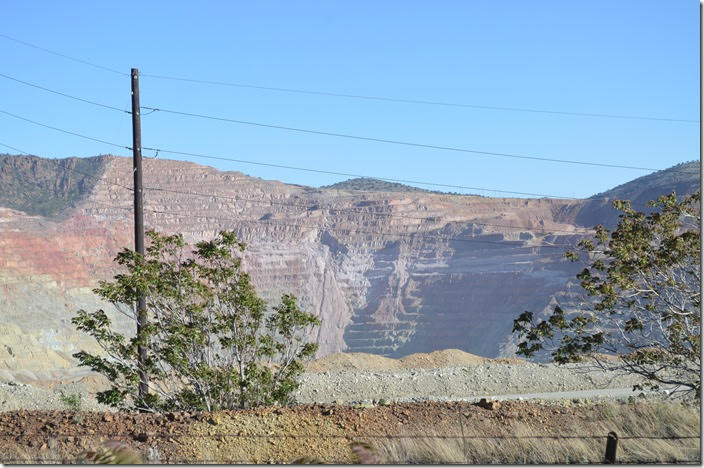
x,y
139,227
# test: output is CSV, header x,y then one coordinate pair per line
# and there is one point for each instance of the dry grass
x,y
49,455
514,425
655,418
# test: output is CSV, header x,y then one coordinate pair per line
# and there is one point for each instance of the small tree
x,y
211,344
644,284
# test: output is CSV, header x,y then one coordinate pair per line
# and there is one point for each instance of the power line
x,y
306,207
15,149
348,210
63,94
412,236
155,109
84,62
397,142
183,153
205,156
63,131
387,179
346,174
417,101
354,96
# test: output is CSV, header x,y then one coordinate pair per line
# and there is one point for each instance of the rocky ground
x,y
408,410
452,383
358,378
365,386
431,432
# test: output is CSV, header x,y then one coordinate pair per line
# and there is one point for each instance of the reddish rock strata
x,y
384,284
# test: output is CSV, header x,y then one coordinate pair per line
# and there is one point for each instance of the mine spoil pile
x,y
362,378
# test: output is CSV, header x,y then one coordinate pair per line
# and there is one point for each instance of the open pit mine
x,y
389,273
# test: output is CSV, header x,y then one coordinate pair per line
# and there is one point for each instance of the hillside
x,y
683,179
389,273
372,185
46,187
368,184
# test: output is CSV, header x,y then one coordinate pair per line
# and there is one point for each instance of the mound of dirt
x,y
353,361
434,360
443,358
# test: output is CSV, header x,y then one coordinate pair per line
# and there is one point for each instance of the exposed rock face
x,y
389,273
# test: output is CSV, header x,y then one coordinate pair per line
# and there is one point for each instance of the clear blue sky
x,y
614,57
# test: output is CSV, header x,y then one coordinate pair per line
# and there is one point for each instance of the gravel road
x,y
363,386
454,383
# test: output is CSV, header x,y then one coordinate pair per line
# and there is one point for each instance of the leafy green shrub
x,y
643,285
211,343
72,401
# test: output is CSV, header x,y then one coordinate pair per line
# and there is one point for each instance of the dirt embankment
x,y
374,362
398,432
401,433
364,378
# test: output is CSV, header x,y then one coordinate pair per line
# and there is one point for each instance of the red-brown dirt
x,y
284,434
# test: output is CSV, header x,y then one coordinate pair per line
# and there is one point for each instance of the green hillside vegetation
x,y
683,178
373,185
46,187
369,184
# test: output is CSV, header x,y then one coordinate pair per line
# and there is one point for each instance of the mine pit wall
x,y
47,272
392,294
466,300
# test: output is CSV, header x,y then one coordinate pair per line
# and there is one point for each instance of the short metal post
x,y
611,444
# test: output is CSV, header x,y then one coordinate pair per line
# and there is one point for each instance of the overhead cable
x,y
412,236
416,101
354,96
346,174
281,166
399,142
297,205
345,210
206,156
84,62
64,131
63,94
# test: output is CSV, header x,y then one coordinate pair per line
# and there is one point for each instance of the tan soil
x,y
352,361
285,434
373,362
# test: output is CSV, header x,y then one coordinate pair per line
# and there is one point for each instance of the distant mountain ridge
x,y
370,184
46,187
683,179
373,185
